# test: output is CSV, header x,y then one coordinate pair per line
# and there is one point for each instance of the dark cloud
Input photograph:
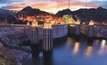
x,y
11,7
9,1
14,6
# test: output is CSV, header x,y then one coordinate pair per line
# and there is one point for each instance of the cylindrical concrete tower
x,y
47,40
47,45
35,37
90,32
77,30
35,47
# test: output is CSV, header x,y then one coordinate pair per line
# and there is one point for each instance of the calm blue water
x,y
71,52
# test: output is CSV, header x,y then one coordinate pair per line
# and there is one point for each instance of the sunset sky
x,y
51,5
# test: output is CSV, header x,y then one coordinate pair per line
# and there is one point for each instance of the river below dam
x,y
73,52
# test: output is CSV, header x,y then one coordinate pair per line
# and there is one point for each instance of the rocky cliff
x,y
10,52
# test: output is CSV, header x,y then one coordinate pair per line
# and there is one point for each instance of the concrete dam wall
x,y
59,31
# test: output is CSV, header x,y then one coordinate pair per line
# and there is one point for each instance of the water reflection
x,y
69,42
103,45
48,58
96,42
90,41
85,51
89,48
76,48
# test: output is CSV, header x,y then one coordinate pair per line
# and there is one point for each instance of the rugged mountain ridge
x,y
34,11
85,15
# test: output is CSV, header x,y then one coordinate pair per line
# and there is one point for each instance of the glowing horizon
x,y
50,5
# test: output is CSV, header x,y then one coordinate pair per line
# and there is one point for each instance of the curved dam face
x,y
59,31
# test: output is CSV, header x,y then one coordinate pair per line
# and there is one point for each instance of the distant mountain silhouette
x,y
27,9
85,15
97,15
34,11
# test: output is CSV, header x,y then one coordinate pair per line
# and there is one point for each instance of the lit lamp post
x,y
35,23
47,26
91,23
28,23
35,41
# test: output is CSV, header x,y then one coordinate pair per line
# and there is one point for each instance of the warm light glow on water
x,y
79,53
103,45
76,48
97,42
69,42
89,50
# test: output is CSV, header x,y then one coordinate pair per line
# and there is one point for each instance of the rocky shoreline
x,y
10,52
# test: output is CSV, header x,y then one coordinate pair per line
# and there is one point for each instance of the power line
x,y
86,4
69,4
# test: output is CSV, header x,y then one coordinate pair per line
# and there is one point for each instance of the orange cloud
x,y
73,6
82,4
52,6
40,5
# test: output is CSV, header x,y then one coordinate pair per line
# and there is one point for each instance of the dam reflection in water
x,y
73,52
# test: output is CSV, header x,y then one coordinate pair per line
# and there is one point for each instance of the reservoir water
x,y
72,52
